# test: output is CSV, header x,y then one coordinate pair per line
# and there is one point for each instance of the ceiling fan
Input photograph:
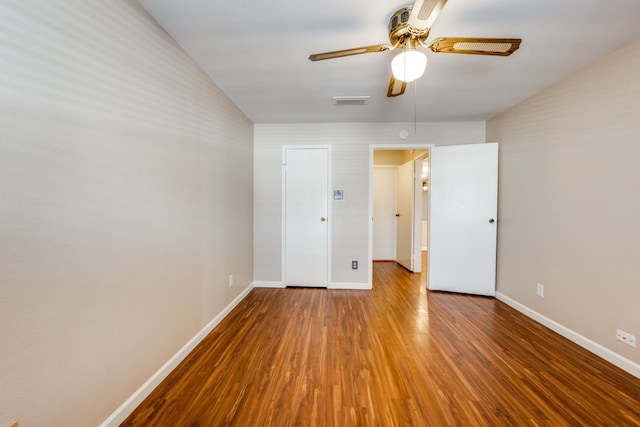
x,y
408,29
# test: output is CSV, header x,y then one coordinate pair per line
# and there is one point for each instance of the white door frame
x,y
372,148
283,206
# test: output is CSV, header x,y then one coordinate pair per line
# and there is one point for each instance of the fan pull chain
x,y
415,107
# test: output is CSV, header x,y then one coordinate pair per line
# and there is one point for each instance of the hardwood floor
x,y
395,356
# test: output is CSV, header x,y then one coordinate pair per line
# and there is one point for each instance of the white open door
x,y
404,235
462,219
306,232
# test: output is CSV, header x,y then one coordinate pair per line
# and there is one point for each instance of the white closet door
x,y
405,215
385,187
306,194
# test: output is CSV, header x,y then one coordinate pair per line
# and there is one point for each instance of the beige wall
x,y
125,202
388,157
395,157
350,223
569,208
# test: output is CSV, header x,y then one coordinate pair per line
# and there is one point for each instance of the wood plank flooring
x,y
394,356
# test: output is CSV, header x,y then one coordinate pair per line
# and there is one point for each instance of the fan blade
x,y
424,14
475,46
349,52
396,87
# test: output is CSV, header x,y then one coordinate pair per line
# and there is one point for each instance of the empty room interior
x,y
319,213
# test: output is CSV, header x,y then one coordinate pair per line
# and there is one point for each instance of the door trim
x,y
372,148
283,206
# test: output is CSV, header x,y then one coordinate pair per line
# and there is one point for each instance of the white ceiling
x,y
257,51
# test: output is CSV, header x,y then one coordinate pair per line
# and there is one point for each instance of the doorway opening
x,y
398,206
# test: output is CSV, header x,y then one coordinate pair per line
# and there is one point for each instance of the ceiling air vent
x,y
351,100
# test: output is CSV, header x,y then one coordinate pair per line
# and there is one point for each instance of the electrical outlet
x,y
626,337
354,265
540,290
230,280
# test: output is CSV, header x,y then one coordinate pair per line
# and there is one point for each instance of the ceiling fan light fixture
x,y
409,65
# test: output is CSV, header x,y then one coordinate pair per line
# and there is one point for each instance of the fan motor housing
x,y
400,32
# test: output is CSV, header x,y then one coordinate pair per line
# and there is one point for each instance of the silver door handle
x,y
491,220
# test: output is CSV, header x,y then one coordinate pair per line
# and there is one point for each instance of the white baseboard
x,y
347,285
268,285
595,348
120,414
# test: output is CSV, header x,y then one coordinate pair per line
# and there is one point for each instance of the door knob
x,y
491,221
397,214
323,219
